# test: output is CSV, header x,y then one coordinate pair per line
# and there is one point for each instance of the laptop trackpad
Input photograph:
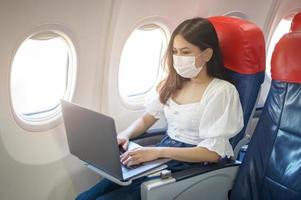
x,y
144,168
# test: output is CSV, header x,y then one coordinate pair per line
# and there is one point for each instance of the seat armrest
x,y
150,133
150,138
208,182
191,172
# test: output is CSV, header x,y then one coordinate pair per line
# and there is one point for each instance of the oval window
x,y
42,73
140,63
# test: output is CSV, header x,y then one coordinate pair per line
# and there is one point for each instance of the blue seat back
x,y
243,48
271,168
248,87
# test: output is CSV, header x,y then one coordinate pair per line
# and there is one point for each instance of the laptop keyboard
x,y
131,167
121,150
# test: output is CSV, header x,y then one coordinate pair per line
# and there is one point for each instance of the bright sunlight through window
x,y
39,77
140,63
282,28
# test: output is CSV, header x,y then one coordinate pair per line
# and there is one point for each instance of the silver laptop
x,y
92,138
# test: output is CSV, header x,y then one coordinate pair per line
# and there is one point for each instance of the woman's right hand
x,y
123,141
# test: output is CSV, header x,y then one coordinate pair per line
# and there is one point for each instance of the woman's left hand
x,y
139,155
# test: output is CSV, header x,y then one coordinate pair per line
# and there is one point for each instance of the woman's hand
x,y
139,155
123,141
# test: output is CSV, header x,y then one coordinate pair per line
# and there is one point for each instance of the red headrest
x,y
296,22
242,44
286,58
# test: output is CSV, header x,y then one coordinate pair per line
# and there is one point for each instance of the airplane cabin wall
x,y
38,165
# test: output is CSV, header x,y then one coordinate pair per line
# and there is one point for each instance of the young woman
x,y
201,107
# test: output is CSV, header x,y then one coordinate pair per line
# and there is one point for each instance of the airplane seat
x,y
243,50
296,22
271,168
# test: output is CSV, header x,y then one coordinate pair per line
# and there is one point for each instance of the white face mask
x,y
185,66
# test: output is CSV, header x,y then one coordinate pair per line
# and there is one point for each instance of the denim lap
x,y
169,142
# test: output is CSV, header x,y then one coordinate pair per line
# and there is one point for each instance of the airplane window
x,y
282,28
40,75
140,63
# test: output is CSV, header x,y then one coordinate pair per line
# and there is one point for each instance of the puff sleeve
x,y
153,106
222,119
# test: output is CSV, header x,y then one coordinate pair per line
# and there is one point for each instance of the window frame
x,y
54,116
137,101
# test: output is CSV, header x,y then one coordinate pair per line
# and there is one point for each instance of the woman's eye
x,y
186,52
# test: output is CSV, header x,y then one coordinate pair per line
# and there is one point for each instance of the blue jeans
x,y
105,189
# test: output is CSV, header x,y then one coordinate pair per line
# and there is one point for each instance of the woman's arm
x,y
139,126
192,154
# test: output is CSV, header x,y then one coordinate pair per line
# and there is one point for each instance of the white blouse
x,y
208,123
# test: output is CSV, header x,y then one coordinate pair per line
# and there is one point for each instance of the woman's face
x,y
182,47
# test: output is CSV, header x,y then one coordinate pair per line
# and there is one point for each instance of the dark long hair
x,y
201,33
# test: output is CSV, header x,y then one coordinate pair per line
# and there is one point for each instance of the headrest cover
x,y
286,59
242,44
296,22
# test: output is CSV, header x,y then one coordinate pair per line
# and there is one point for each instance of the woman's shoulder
x,y
222,87
223,84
